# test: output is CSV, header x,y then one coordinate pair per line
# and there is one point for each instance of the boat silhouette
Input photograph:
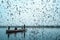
x,y
16,30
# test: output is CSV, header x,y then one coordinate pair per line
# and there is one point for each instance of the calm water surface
x,y
32,34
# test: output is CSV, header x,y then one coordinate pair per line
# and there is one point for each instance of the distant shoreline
x,y
31,26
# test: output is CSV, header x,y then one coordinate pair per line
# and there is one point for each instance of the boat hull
x,y
15,31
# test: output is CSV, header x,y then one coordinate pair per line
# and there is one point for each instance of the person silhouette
x,y
15,28
8,27
24,26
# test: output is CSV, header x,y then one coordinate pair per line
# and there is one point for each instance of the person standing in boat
x,y
8,27
15,28
24,26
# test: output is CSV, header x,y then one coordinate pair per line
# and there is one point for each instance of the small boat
x,y
15,31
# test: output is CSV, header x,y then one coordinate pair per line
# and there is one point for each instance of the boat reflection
x,y
8,34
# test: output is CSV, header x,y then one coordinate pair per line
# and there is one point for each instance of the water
x,y
32,34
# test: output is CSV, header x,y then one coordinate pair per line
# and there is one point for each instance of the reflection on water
x,y
32,34
8,35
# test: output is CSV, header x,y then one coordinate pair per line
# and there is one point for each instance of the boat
x,y
15,31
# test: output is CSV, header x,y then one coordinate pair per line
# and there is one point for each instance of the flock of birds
x,y
40,12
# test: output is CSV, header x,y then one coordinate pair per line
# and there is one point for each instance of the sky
x,y
29,12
